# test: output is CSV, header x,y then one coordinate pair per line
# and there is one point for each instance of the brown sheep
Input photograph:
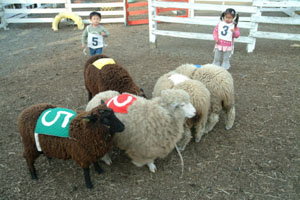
x,y
110,77
90,137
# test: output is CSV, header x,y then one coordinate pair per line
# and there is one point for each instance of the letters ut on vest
x,y
55,122
121,103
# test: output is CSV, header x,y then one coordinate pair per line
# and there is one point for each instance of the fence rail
x,y
251,23
37,15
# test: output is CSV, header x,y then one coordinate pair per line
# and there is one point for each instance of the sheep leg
x,y
90,95
152,167
187,136
87,177
199,131
106,158
98,168
230,118
31,169
212,121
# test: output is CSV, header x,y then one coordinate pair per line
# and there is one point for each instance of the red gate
x,y
139,10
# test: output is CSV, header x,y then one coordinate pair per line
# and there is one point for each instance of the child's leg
x,y
98,51
217,57
226,57
92,51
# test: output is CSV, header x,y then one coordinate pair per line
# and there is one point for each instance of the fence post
x,y
152,25
68,5
192,11
3,23
251,46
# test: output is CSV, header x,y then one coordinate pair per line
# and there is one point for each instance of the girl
x,y
224,34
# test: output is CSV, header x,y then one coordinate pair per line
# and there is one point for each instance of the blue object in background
x,y
198,66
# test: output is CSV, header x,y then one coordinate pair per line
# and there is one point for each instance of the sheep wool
x,y
219,82
112,76
200,99
153,127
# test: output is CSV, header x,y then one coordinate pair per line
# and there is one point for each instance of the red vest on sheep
x,y
120,104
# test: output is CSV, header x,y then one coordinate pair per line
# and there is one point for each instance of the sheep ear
x,y
89,118
174,105
102,102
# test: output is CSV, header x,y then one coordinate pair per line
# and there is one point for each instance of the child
x,y
93,34
224,34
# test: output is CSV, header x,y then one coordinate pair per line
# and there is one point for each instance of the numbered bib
x,y
121,103
55,122
178,78
224,31
100,63
95,41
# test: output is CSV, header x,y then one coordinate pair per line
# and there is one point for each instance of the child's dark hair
x,y
233,13
95,13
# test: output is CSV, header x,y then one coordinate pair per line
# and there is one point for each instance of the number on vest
x,y
65,122
95,41
225,30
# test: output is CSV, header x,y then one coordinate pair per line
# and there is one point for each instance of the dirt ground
x,y
259,158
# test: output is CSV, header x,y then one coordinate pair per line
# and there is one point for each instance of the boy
x,y
93,34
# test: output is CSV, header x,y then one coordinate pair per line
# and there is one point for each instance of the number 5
x,y
65,122
95,41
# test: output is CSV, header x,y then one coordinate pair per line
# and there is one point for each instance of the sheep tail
x,y
181,159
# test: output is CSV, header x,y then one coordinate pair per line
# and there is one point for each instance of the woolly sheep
x,y
153,127
109,77
200,98
90,137
219,82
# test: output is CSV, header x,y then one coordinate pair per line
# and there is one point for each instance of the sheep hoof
x,y
152,167
197,140
107,159
228,127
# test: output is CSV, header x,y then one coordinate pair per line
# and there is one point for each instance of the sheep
x,y
219,82
90,136
200,98
153,127
111,76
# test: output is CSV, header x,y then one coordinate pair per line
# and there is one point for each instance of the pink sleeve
x,y
215,34
236,33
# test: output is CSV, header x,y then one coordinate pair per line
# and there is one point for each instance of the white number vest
x,y
224,31
95,40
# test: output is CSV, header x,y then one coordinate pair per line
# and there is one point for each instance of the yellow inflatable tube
x,y
69,15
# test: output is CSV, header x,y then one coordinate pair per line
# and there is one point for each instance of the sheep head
x,y
178,100
105,116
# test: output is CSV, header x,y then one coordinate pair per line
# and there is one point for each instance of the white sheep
x,y
200,98
153,127
219,82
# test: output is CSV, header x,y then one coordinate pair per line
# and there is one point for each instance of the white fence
x,y
48,9
254,10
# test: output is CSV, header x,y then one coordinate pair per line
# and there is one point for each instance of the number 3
x,y
225,30
95,41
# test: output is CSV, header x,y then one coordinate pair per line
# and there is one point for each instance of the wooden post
x,y
152,25
251,46
68,5
192,11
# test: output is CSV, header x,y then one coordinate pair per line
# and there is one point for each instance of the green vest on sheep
x,y
55,122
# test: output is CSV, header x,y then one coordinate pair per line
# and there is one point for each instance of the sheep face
x,y
106,116
177,99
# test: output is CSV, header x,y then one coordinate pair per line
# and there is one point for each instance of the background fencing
x,y
252,10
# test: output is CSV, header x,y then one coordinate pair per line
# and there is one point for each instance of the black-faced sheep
x,y
219,82
108,75
200,98
90,136
153,127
